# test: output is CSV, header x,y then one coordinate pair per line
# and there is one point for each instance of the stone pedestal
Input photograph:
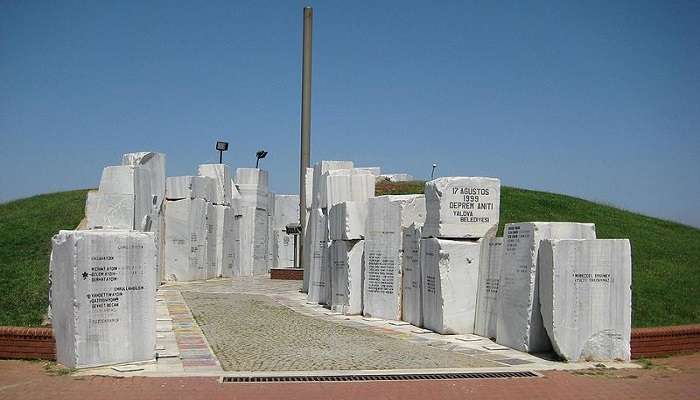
x,y
103,297
586,298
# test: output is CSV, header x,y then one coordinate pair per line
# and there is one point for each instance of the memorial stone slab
x,y
450,271
412,299
319,271
250,242
347,220
185,240
462,207
221,174
519,321
586,298
487,294
387,216
346,276
212,242
286,211
228,243
103,297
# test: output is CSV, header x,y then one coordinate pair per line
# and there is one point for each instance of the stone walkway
x,y
254,333
259,326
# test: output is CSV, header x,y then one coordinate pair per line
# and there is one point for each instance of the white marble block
x,y
186,240
319,266
412,299
386,218
109,210
586,298
487,295
519,321
123,180
213,249
252,176
450,271
321,168
227,247
221,174
286,211
250,242
190,187
103,297
252,196
346,261
462,207
154,164
347,220
345,185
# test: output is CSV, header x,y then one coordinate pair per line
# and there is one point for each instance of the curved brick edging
x,y
33,343
661,341
27,343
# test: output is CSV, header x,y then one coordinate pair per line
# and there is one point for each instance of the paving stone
x,y
234,324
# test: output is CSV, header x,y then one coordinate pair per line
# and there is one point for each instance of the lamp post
x,y
260,154
221,147
432,173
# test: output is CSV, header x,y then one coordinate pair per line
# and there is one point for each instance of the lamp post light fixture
x,y
432,173
260,154
221,147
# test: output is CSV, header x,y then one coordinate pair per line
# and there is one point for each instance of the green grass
x,y
665,255
26,228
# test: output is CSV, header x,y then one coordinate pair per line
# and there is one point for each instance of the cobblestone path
x,y
251,332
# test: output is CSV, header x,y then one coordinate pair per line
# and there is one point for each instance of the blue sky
x,y
599,100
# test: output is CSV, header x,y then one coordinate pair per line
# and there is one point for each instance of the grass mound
x,y
25,246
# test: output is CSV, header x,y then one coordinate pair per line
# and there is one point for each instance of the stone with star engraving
x,y
102,294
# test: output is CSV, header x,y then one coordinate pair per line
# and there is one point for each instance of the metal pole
x,y
221,156
305,125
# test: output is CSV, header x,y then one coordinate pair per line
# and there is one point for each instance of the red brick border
x,y
290,274
27,343
30,343
655,342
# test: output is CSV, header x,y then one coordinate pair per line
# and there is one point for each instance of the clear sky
x,y
599,100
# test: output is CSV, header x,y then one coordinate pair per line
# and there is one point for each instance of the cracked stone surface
x,y
251,332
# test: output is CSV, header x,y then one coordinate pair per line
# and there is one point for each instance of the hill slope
x,y
665,255
26,228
